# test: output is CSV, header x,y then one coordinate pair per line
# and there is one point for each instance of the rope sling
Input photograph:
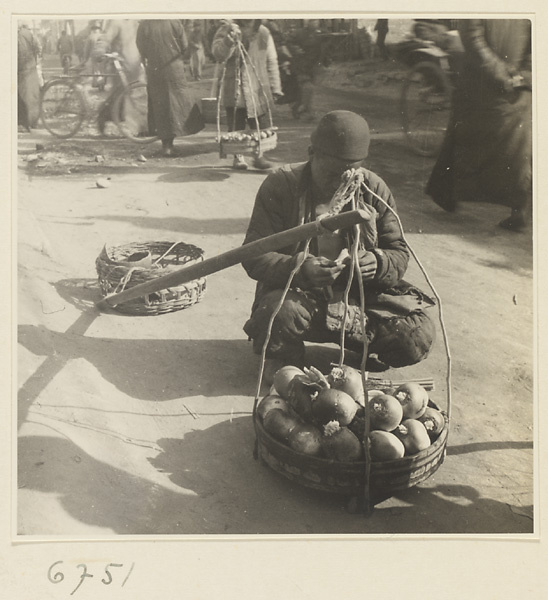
x,y
350,191
242,58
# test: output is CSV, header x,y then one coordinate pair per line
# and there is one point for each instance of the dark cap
x,y
342,134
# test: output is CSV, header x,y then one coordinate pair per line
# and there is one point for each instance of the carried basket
x,y
386,478
125,266
253,141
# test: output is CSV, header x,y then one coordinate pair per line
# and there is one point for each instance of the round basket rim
x,y
440,441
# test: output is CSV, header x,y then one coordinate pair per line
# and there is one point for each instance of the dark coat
x,y
487,153
162,44
282,203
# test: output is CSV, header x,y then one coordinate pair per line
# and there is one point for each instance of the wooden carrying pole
x,y
237,255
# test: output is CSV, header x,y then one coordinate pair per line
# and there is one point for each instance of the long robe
x,y
487,153
172,106
28,82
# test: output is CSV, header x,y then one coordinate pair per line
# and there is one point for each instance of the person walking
x,y
486,155
307,63
251,81
173,111
398,329
28,81
197,52
381,27
65,48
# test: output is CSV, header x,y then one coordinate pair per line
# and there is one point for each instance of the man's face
x,y
327,170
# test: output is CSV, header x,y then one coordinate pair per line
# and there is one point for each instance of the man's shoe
x,y
239,162
260,162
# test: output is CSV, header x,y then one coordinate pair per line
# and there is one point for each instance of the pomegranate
x,y
433,421
413,435
413,398
348,380
339,443
301,394
385,412
280,423
333,405
269,402
305,438
384,445
283,377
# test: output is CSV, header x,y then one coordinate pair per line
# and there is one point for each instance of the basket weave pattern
x,y
115,273
386,477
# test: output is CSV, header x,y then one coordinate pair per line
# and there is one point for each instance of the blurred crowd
x,y
261,62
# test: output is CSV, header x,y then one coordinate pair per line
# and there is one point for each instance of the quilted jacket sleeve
x,y
391,251
274,211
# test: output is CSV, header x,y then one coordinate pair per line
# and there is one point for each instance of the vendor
x,y
398,329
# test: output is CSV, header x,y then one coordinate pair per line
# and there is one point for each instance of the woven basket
x,y
247,147
386,477
123,267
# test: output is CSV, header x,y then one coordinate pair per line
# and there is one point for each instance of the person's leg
x,y
294,323
236,119
259,161
402,341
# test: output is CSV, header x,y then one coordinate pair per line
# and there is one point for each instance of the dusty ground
x,y
142,425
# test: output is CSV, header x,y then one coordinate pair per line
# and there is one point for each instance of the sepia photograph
x,y
274,278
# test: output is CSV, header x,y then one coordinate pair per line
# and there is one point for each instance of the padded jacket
x,y
282,202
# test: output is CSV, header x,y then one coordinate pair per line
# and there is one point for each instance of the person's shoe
x,y
239,162
169,152
260,162
515,222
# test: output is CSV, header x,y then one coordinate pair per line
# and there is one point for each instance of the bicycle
x,y
425,100
64,103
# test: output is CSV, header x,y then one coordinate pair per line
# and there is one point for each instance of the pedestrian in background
x,y
252,78
487,152
381,27
65,49
197,52
173,111
28,81
307,64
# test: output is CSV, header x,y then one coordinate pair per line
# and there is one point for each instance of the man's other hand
x,y
368,264
320,272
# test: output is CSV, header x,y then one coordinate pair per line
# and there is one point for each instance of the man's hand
x,y
320,272
234,34
368,264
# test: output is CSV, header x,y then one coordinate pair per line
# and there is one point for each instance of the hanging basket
x,y
348,478
123,267
256,142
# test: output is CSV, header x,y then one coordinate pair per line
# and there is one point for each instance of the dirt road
x,y
142,425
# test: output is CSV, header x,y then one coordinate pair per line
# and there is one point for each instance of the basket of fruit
x,y
310,429
256,142
125,266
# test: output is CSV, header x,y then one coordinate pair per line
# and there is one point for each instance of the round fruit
x,y
433,421
280,423
385,412
413,398
269,402
334,405
384,445
339,443
348,380
301,395
306,438
413,435
283,377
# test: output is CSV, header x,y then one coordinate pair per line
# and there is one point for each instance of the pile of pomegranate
x,y
324,415
254,136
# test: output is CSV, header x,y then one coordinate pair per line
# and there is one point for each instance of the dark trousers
x,y
237,119
397,340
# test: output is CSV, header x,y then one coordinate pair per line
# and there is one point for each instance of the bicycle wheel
x,y
130,113
62,108
425,106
